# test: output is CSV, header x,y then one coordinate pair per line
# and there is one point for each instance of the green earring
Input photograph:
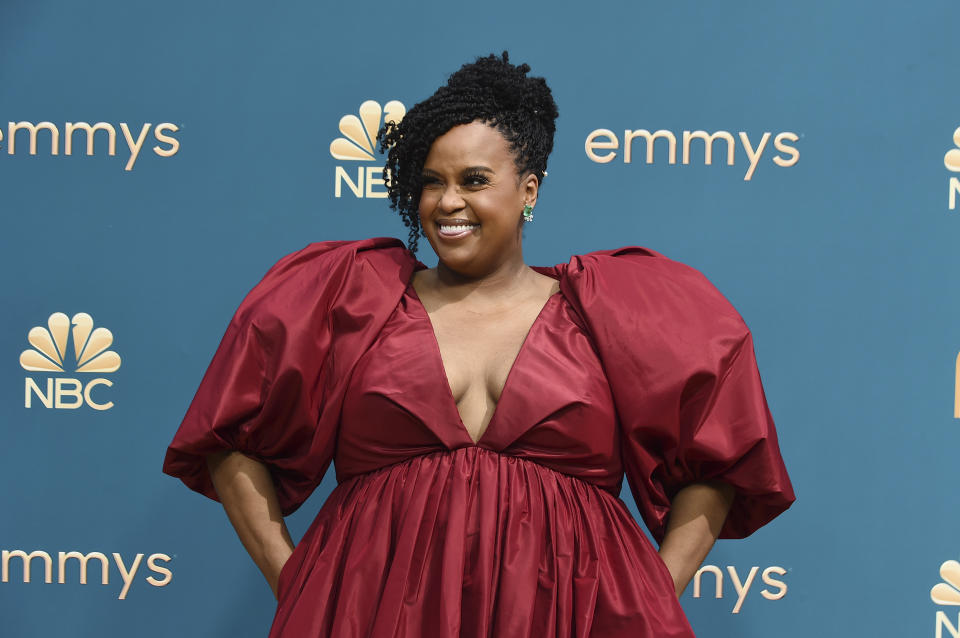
x,y
528,213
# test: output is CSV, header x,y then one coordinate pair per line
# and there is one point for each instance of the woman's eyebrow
x,y
468,169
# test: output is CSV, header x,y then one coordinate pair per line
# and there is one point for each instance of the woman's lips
x,y
456,231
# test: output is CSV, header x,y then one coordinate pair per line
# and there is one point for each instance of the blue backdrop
x,y
830,228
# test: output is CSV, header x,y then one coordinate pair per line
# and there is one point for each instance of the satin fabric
x,y
637,365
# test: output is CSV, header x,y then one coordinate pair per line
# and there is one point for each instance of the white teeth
x,y
459,228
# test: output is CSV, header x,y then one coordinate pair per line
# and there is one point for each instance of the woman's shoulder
x,y
630,262
642,279
324,254
320,271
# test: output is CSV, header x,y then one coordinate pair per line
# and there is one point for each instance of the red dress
x,y
637,367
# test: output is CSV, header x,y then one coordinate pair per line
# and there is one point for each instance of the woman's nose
x,y
451,199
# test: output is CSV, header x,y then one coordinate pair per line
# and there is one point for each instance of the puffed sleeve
x,y
272,387
682,369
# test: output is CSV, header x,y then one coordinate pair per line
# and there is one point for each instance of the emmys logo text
x,y
50,352
358,144
74,566
774,588
603,145
84,135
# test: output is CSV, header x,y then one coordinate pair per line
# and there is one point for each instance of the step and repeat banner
x,y
156,159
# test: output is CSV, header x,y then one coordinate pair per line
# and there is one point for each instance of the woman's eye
x,y
475,180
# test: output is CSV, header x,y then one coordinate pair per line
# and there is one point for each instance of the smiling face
x,y
472,200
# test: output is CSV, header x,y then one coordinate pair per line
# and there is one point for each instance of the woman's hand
x,y
697,514
246,490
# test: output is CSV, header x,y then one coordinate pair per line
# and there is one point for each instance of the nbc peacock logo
x,y
358,144
50,352
947,593
952,161
956,390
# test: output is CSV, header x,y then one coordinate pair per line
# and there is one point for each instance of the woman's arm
x,y
697,514
246,490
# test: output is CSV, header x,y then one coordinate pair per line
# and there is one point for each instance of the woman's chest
x,y
554,404
478,350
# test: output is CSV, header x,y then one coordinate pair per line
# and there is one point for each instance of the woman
x,y
482,414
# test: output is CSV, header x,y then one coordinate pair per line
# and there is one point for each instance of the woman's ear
x,y
531,188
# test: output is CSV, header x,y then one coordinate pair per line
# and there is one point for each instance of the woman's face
x,y
472,200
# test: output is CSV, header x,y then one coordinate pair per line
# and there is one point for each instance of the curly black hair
x,y
491,90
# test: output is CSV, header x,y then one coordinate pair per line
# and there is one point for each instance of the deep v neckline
x,y
438,358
